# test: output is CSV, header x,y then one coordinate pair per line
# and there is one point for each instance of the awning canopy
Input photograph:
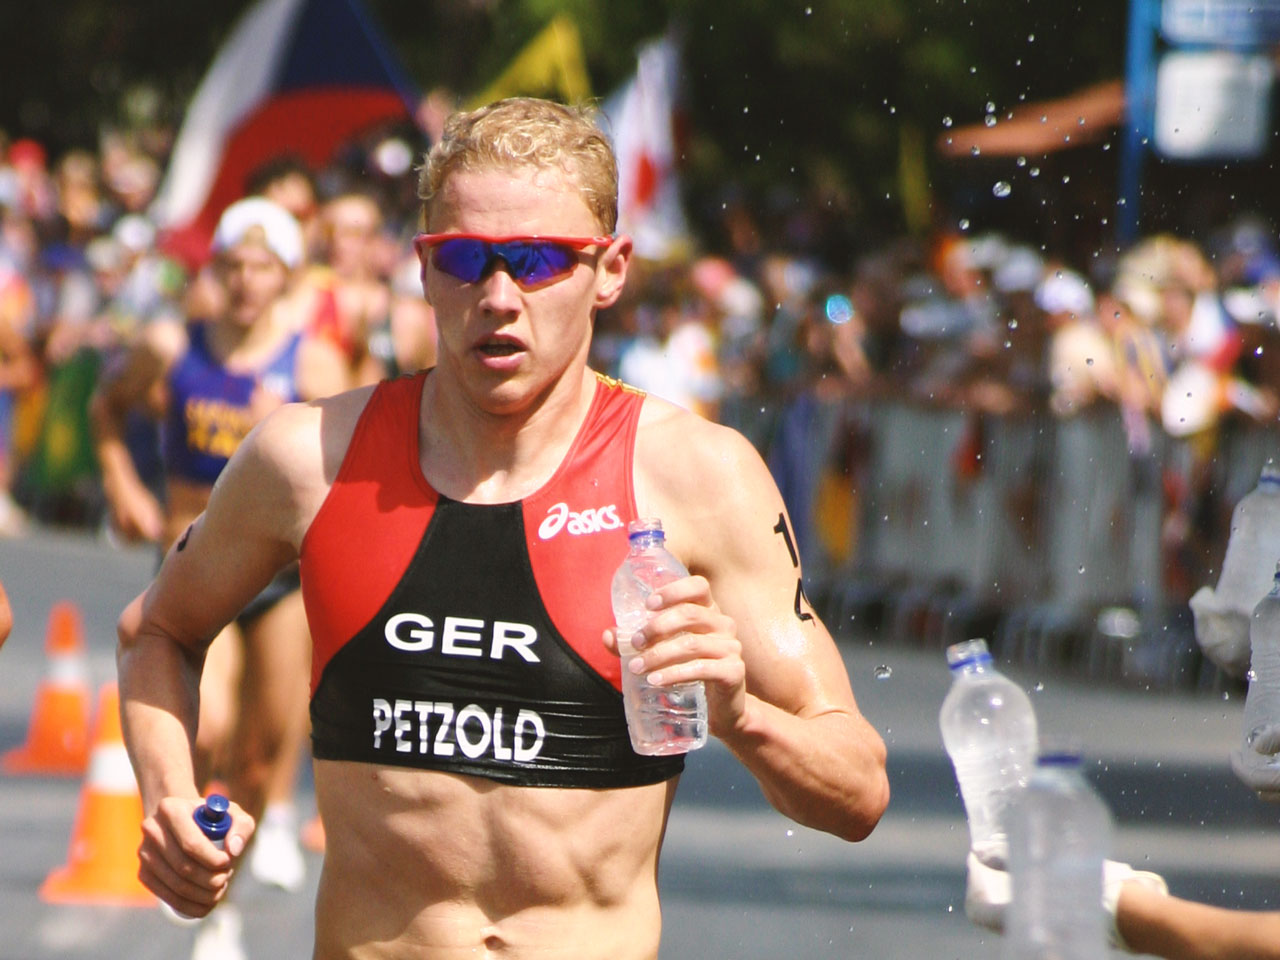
x,y
1032,129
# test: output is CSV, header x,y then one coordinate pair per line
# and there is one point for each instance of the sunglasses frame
x,y
425,241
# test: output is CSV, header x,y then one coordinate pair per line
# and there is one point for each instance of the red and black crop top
x,y
466,637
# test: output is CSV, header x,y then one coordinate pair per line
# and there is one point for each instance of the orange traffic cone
x,y
58,738
102,861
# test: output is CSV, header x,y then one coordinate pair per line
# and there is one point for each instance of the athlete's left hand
x,y
688,638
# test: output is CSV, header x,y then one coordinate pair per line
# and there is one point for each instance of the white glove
x,y
988,892
1257,765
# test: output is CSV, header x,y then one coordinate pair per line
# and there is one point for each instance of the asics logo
x,y
591,520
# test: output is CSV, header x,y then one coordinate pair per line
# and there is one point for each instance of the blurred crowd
x,y
1177,336
84,271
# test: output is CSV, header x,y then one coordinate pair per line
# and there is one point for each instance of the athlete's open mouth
x,y
499,348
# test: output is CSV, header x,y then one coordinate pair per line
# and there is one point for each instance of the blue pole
x,y
1140,73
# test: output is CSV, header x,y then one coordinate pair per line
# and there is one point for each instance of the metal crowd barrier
x,y
1044,534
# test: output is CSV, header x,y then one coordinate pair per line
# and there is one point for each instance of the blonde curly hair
x,y
524,131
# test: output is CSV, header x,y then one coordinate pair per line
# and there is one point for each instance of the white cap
x,y
280,230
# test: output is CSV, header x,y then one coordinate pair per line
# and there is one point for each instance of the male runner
x,y
457,532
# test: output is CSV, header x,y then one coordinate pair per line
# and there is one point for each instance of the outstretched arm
x,y
777,690
1177,929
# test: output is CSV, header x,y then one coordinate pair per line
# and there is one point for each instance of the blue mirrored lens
x,y
464,259
528,262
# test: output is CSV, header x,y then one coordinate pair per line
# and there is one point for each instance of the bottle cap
x,y
967,652
1059,751
645,527
212,816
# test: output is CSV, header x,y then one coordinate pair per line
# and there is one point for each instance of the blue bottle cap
x,y
212,816
961,655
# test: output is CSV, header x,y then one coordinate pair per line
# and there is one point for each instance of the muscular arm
x,y
249,530
1177,929
778,693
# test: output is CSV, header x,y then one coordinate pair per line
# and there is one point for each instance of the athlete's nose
x,y
501,292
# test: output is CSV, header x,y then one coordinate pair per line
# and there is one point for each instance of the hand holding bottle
x,y
180,863
680,653
988,891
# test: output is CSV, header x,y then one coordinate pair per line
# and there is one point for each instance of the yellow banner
x,y
551,63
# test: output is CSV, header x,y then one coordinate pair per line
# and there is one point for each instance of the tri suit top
x,y
466,638
209,406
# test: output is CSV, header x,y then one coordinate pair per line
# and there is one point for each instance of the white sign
x,y
1240,23
1213,105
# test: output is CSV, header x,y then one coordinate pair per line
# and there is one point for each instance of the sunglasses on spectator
x,y
531,260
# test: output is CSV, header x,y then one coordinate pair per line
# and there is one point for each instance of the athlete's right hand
x,y
180,865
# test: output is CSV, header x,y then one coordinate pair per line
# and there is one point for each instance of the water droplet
x,y
947,121
1039,687
1031,38
1001,189
964,224
1013,324
1008,344
1022,161
1080,569
1251,675
1257,352
1034,171
1226,694
808,11
991,107
1066,178
989,119
1088,361
975,150
883,672
791,833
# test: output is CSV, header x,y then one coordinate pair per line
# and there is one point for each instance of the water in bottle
x,y
1222,615
1262,704
1059,836
989,731
661,719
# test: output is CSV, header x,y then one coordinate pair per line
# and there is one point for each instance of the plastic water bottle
x,y
1059,836
1222,615
661,720
1262,705
213,817
989,731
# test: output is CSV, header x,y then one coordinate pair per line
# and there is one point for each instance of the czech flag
x,y
296,77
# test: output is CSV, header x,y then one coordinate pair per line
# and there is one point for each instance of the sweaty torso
x,y
472,765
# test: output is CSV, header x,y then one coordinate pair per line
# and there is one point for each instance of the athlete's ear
x,y
611,271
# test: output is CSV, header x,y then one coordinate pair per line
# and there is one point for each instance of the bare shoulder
x,y
166,340
699,475
290,459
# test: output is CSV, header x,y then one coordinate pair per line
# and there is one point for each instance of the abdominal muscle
x,y
437,866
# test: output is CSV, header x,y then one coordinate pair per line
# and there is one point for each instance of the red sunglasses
x,y
530,260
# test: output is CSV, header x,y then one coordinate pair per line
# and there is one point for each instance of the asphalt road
x,y
739,881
